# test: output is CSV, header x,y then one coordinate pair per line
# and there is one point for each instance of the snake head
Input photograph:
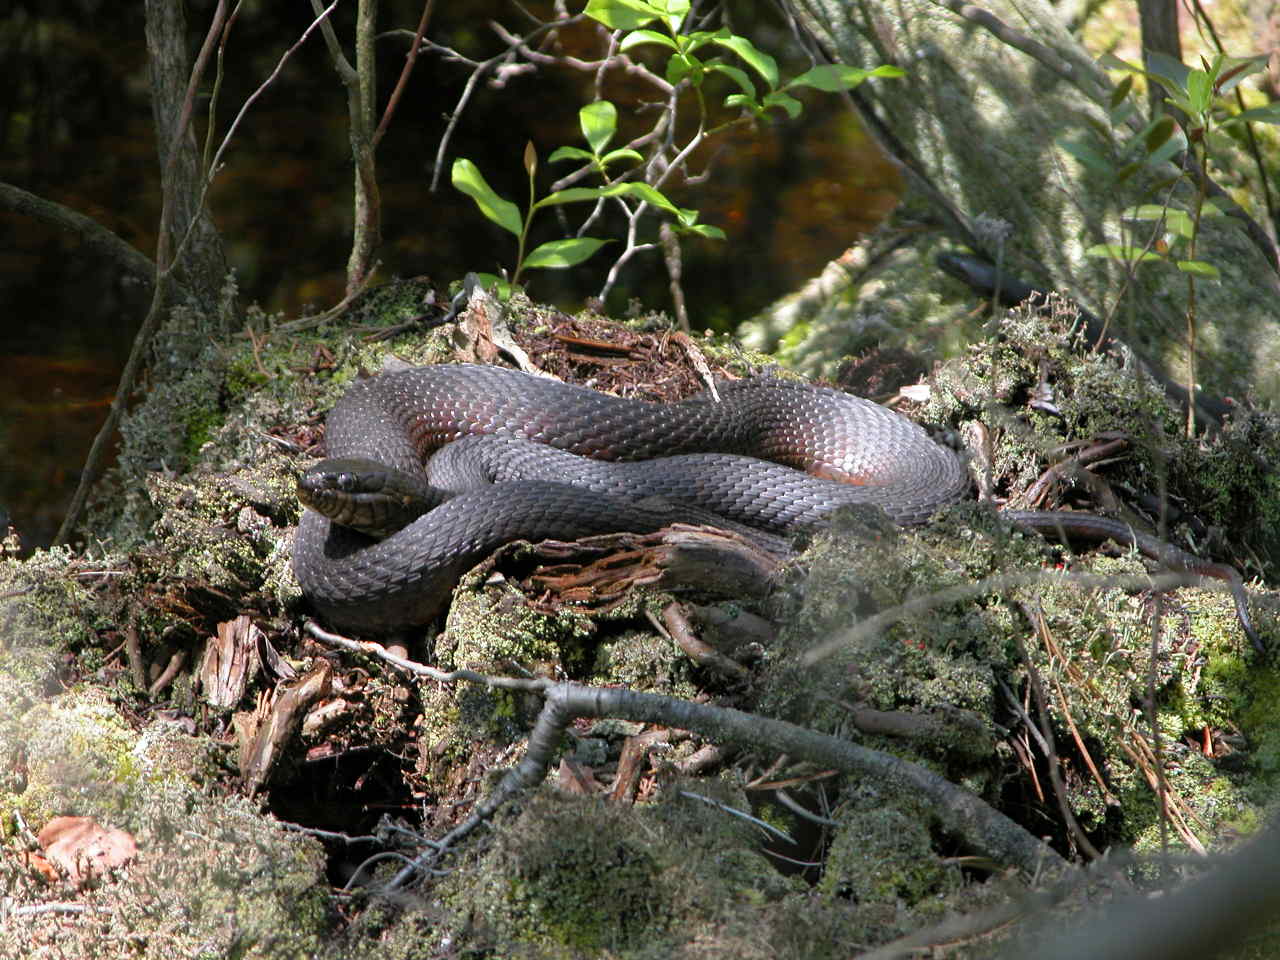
x,y
364,494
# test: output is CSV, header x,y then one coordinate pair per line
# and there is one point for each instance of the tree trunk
x,y
202,262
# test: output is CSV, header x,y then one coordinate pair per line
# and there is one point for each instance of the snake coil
x,y
769,454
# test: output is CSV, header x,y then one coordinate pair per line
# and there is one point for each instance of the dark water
x,y
76,126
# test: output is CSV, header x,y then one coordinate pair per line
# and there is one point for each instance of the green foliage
x,y
598,121
1191,129
694,57
1197,94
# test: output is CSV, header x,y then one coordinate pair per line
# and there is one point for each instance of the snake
x,y
431,469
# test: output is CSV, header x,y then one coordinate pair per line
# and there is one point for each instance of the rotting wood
x,y
230,662
265,734
598,572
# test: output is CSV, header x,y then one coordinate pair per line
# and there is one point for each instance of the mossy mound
x,y
926,643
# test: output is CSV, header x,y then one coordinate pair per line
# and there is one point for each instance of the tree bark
x,y
202,262
1159,20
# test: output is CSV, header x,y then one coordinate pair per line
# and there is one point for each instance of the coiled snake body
x,y
771,454
852,451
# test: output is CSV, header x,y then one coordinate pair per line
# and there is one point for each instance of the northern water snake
x,y
822,449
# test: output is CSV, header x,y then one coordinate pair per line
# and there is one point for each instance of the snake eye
x,y
347,482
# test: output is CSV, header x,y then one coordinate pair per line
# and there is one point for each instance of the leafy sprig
x,y
1191,129
628,178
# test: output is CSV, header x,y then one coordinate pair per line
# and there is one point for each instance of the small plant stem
x,y
1191,354
524,233
1201,190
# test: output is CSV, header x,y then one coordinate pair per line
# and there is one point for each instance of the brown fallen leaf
x,y
83,848
40,865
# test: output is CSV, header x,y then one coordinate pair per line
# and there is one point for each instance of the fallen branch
x,y
956,809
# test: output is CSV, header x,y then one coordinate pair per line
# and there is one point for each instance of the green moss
x,y
1259,698
575,875
76,756
885,855
939,658
570,874
641,659
201,425
213,877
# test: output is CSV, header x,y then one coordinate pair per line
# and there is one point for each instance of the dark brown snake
x,y
769,454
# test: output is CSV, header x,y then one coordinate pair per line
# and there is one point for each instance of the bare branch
x,y
346,72
480,70
410,59
249,101
955,808
101,240
166,35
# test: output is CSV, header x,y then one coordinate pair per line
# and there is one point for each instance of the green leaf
x,y
737,76
1122,252
1210,209
1121,91
466,177
570,153
1199,90
1167,71
622,153
1128,170
641,191
1122,114
1147,211
1268,114
1237,68
1109,61
691,43
834,77
622,14
1180,223
703,230
559,254
785,101
676,11
651,195
742,100
757,60
1159,133
1198,267
639,37
573,195
599,122
1161,69
500,287
1088,157
681,66
1176,143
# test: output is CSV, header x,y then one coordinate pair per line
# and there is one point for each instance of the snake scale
x,y
768,453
